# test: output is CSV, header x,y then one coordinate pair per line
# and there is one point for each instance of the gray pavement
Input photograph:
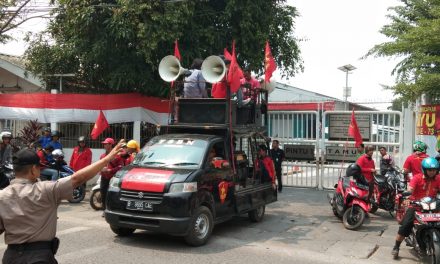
x,y
299,228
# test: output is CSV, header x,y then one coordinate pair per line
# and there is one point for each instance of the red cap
x,y
108,141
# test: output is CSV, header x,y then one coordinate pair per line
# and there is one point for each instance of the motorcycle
x,y
95,196
6,175
425,235
64,170
349,201
386,187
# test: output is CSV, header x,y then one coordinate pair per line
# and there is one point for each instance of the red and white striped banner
x,y
47,108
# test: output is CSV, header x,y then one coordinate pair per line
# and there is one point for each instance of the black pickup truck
x,y
194,175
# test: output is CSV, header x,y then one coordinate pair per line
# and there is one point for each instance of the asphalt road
x,y
299,228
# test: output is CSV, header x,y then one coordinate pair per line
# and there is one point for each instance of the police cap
x,y
25,157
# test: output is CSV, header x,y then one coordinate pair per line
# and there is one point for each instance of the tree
x,y
415,37
14,13
116,45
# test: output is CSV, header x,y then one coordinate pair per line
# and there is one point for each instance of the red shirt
x,y
80,160
254,84
413,163
268,165
219,90
423,186
43,162
116,164
367,164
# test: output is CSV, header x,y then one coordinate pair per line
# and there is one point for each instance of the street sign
x,y
339,123
336,153
299,152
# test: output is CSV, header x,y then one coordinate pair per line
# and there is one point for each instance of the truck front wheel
x,y
200,228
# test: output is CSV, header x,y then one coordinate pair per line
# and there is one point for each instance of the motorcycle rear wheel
x,y
95,200
353,217
78,194
435,252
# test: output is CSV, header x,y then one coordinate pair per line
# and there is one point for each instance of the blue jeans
x,y
53,174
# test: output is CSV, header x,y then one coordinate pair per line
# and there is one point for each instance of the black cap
x,y
25,157
262,147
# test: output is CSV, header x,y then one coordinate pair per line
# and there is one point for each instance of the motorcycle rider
x,y
81,155
386,161
413,162
45,155
55,140
421,185
46,138
5,147
368,168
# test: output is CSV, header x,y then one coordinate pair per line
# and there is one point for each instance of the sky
x,y
335,33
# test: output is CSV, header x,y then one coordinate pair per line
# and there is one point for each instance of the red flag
x,y
176,50
269,63
227,55
234,72
353,130
100,125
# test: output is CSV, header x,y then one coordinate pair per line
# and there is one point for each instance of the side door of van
x,y
218,176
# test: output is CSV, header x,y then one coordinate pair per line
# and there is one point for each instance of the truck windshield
x,y
187,153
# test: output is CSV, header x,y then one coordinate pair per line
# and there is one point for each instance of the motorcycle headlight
x,y
425,206
433,205
183,187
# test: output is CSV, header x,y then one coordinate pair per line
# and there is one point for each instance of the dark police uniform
x,y
277,156
29,215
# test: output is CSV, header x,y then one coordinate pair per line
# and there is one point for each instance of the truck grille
x,y
144,196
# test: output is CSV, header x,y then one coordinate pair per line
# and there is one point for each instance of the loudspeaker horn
x,y
213,69
269,86
170,69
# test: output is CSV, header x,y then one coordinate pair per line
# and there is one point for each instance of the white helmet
x,y
6,134
58,153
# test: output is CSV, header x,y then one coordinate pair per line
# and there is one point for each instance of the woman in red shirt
x,y
81,155
264,165
368,168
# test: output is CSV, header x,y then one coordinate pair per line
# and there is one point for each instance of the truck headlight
x,y
115,182
183,187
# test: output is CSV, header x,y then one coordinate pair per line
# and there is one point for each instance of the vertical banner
x,y
428,126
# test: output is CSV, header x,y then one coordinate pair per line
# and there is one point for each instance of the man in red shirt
x,y
368,168
81,155
110,170
264,166
413,163
249,86
421,185
219,89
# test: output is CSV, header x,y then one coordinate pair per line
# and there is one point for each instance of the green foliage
x,y
116,46
415,37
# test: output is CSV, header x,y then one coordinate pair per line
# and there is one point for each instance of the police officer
x,y
277,156
29,207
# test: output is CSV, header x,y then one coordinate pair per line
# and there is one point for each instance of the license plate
x,y
139,206
430,217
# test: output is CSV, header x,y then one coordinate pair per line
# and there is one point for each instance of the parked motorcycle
x,y
386,187
425,235
95,196
6,175
349,200
64,170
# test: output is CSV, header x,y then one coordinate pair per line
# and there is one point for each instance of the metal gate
x,y
316,128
